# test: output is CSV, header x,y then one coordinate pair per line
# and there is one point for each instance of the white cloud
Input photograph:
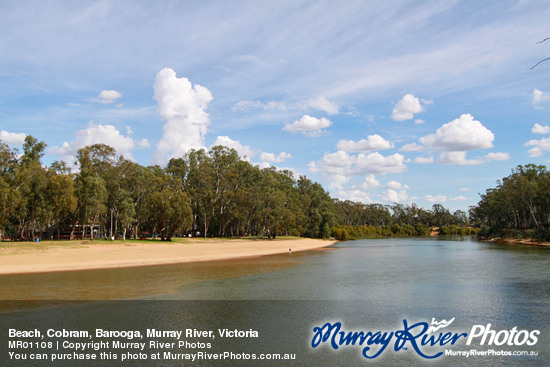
x,y
539,97
413,147
394,185
12,138
108,96
309,126
461,134
458,198
498,156
372,143
143,143
271,157
419,121
98,134
323,104
540,146
369,183
395,196
244,151
406,108
424,160
341,164
465,189
355,196
540,129
320,104
457,158
376,163
435,198
338,181
183,106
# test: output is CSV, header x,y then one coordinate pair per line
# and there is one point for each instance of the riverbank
x,y
516,241
85,255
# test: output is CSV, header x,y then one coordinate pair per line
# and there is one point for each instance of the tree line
x,y
519,202
214,193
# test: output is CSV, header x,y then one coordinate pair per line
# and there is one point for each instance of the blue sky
x,y
380,101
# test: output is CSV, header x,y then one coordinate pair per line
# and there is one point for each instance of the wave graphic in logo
x,y
439,325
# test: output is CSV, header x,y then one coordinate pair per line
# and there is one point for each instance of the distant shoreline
x,y
86,255
516,241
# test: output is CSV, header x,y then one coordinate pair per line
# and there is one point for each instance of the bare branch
x,y
546,39
541,61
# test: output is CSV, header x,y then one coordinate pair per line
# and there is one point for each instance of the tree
x,y
90,191
543,60
168,207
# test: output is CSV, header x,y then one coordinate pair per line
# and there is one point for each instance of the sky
x,y
379,101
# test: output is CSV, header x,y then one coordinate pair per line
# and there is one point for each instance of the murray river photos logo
x,y
427,340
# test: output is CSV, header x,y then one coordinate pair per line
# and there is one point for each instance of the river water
x,y
367,285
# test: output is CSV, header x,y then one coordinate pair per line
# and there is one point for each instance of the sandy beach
x,y
81,255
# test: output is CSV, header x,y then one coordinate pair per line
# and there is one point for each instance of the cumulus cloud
x,y
309,126
354,195
539,97
498,156
413,147
340,166
461,134
370,144
435,198
272,158
540,129
424,160
321,104
369,183
12,138
338,181
143,143
108,96
406,108
96,134
396,196
183,106
418,121
539,147
457,158
394,185
244,151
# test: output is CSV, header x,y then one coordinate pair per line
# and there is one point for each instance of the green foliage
x,y
519,203
456,230
345,233
218,194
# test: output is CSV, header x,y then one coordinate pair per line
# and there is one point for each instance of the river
x,y
367,285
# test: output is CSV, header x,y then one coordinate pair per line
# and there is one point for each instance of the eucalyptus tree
x,y
201,188
320,209
61,195
8,197
32,212
520,200
90,190
167,206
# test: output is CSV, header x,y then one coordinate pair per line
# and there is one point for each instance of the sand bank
x,y
100,255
